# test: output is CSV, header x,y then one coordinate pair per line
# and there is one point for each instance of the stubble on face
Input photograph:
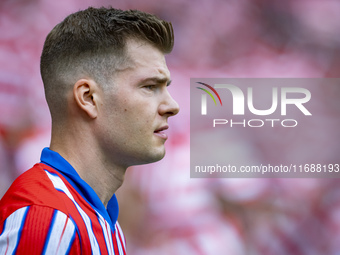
x,y
132,123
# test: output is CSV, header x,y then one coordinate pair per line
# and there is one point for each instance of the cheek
x,y
127,120
130,114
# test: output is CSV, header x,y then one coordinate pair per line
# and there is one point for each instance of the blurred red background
x,y
163,211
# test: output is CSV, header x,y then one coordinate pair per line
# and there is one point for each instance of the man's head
x,y
92,44
106,79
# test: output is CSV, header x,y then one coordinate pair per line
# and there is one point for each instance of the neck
x,y
100,173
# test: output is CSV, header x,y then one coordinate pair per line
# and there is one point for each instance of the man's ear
x,y
85,94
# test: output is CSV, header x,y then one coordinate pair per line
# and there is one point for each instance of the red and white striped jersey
x,y
49,209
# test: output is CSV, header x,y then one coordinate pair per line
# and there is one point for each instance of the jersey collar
x,y
56,161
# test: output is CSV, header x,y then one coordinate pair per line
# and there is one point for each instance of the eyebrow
x,y
158,80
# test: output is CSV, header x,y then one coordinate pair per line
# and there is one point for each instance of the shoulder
x,y
31,188
38,230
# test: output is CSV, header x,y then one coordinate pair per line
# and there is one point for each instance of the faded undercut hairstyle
x,y
91,43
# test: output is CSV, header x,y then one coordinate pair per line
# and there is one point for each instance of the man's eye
x,y
150,87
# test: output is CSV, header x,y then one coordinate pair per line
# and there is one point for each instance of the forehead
x,y
145,60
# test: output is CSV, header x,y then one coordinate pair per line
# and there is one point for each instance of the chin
x,y
158,157
154,157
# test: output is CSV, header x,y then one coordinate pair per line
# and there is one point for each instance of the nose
x,y
169,106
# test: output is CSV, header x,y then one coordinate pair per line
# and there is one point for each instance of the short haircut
x,y
92,43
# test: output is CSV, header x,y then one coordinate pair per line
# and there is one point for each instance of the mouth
x,y
160,132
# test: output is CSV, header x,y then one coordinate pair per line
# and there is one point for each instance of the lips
x,y
160,132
